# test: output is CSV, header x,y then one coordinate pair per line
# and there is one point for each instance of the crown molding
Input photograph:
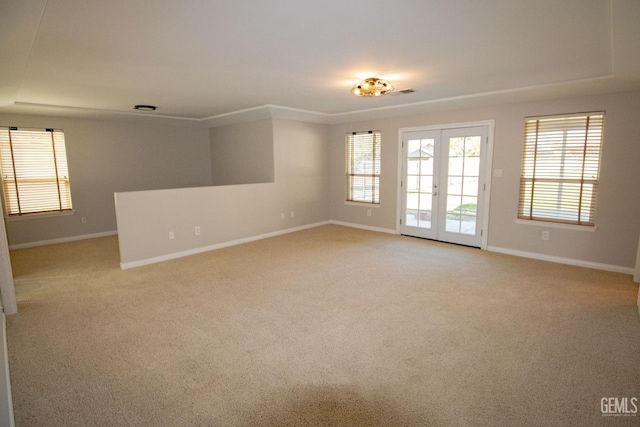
x,y
588,86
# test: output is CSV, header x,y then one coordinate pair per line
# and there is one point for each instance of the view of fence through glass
x,y
560,168
463,174
462,186
420,160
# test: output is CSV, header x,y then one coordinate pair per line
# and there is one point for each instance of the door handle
x,y
435,193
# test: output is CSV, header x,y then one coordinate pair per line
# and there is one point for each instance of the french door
x,y
443,184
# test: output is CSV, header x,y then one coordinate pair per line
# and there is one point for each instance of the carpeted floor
x,y
330,326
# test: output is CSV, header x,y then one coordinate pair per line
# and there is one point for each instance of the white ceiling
x,y
202,59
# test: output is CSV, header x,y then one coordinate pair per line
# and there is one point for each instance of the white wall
x,y
618,204
231,212
110,156
106,156
242,153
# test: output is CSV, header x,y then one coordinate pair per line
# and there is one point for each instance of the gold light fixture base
x,y
372,86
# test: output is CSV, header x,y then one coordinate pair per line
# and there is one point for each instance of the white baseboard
x,y
562,260
133,264
63,240
364,227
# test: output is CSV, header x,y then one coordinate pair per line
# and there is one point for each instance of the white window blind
x,y
363,167
35,178
560,168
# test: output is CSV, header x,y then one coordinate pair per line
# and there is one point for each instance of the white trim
x,y
320,117
364,227
105,111
7,291
63,240
38,215
445,126
562,260
362,204
567,115
168,257
550,224
488,168
490,124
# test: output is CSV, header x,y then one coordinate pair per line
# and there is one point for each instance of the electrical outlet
x,y
171,235
197,230
545,235
368,212
292,214
282,215
84,219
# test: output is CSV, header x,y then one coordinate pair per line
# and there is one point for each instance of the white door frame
x,y
490,124
7,291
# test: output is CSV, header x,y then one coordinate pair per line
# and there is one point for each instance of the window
x,y
35,178
363,167
560,168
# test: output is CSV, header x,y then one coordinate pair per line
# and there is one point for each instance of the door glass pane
x,y
412,201
413,183
411,218
472,166
426,166
455,165
418,218
472,146
453,226
424,219
419,182
468,215
455,185
414,148
425,201
456,147
462,189
453,213
470,186
426,184
413,167
427,147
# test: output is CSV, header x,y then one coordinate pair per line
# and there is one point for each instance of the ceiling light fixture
x,y
372,86
140,107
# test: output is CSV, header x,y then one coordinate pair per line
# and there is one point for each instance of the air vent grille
x,y
401,92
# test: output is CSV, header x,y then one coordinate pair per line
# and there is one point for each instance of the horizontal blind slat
x,y
560,167
363,167
34,171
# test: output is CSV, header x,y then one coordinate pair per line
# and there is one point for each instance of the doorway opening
x,y
444,184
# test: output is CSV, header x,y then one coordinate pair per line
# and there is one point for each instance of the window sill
x,y
38,216
556,225
371,205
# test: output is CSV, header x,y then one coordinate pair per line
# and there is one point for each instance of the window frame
x,y
578,140
356,144
42,172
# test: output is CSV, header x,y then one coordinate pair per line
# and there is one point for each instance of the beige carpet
x,y
326,327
